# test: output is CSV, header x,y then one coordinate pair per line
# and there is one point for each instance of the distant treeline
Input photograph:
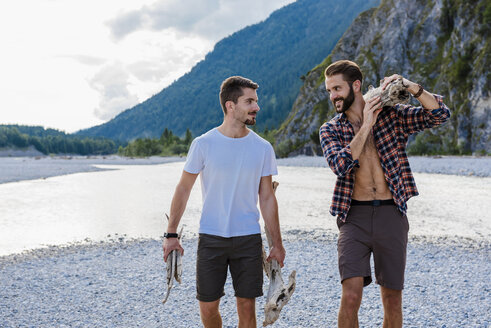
x,y
167,145
51,141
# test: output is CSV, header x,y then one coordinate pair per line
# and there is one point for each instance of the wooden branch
x,y
278,293
174,267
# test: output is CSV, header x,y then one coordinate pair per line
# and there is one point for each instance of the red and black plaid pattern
x,y
391,133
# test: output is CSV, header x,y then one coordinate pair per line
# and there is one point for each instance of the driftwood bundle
x,y
395,93
174,267
278,293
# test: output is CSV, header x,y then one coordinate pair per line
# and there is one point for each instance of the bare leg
x,y
246,309
210,314
392,300
350,302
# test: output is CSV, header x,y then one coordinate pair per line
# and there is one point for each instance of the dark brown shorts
x,y
243,255
381,230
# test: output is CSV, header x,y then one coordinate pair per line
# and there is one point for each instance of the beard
x,y
347,102
250,121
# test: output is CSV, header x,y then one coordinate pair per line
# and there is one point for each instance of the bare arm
x,y
370,113
269,210
426,99
432,112
359,140
178,205
343,159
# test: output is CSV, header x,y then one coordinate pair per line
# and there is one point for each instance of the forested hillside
x,y
50,141
275,53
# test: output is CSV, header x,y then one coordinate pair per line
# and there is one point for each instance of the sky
x,y
70,65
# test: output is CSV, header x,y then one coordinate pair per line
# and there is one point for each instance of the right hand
x,y
371,110
171,244
278,254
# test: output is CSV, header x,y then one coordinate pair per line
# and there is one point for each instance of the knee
x,y
246,305
392,302
352,299
246,309
208,310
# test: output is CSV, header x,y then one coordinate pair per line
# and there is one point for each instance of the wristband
x,y
420,91
171,235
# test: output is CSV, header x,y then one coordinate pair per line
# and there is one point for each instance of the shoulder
x,y
202,143
332,124
206,137
392,111
260,140
209,134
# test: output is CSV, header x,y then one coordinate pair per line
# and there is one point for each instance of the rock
x,y
440,44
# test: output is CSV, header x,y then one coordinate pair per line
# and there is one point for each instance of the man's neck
x,y
355,112
231,130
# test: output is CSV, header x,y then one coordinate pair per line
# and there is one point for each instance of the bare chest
x,y
369,154
370,181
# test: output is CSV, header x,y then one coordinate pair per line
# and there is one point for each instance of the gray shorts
x,y
381,230
243,255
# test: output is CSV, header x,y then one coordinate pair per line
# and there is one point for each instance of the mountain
x,y
445,45
274,53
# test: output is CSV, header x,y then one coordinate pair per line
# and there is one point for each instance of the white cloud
x,y
212,19
150,63
172,54
86,60
163,14
126,24
112,84
147,71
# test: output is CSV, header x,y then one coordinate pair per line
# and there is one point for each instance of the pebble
x,y
121,284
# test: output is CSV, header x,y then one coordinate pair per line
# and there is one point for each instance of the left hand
x,y
171,244
386,80
278,254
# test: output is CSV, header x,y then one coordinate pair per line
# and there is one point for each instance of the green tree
x,y
189,137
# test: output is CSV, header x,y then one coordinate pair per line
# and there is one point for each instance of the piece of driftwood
x,y
395,93
174,267
278,293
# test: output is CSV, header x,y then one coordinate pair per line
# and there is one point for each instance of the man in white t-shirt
x,y
236,167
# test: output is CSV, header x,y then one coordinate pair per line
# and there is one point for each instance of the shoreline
x,y
15,169
122,283
450,165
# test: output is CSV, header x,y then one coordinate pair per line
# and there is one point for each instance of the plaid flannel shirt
x,y
391,133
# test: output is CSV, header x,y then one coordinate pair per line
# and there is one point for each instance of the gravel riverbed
x,y
456,165
121,283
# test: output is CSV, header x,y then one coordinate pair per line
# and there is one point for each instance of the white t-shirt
x,y
231,169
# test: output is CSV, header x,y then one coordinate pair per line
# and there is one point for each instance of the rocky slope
x,y
443,45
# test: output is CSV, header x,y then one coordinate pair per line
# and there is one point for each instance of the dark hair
x,y
231,89
351,72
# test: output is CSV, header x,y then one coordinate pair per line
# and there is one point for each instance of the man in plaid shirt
x,y
365,146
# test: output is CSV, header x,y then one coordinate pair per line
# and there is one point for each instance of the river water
x,y
130,201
